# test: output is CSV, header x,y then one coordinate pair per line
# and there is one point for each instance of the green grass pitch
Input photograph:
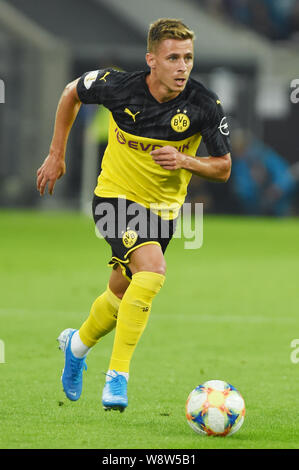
x,y
227,311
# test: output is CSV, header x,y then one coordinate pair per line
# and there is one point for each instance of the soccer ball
x,y
215,408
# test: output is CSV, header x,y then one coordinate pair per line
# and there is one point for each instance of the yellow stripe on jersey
x,y
129,171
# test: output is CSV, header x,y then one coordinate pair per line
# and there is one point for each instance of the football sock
x,y
101,320
133,315
78,348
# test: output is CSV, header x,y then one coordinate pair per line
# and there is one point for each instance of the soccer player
x,y
157,120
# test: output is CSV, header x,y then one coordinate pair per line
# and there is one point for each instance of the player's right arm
x,y
53,166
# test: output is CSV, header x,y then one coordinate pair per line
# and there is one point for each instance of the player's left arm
x,y
211,168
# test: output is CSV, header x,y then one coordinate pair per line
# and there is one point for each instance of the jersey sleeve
x,y
216,133
95,87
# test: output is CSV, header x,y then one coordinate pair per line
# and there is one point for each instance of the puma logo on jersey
x,y
133,116
104,76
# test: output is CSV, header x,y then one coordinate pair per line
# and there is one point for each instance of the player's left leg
x,y
148,267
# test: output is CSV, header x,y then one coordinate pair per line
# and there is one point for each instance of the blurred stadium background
x,y
246,51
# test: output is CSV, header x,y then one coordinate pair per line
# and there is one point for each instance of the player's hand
x,y
51,170
168,157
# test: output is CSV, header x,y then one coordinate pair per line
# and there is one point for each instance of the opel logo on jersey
x,y
224,126
180,122
130,238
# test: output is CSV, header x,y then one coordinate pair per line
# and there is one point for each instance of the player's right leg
x,y
148,266
77,343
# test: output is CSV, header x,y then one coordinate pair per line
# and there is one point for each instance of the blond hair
x,y
167,28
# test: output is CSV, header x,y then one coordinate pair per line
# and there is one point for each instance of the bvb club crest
x,y
129,238
180,122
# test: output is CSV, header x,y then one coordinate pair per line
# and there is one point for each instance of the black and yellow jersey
x,y
140,124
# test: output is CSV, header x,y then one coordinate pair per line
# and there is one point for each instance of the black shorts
x,y
126,225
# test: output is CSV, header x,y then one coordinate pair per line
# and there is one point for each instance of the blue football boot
x,y
115,392
73,368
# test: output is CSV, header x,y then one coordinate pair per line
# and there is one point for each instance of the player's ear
x,y
150,60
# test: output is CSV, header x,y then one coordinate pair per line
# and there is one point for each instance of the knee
x,y
148,258
151,266
159,269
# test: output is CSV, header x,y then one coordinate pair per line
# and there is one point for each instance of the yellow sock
x,y
102,318
132,318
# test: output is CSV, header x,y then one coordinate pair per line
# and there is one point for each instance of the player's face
x,y
172,63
